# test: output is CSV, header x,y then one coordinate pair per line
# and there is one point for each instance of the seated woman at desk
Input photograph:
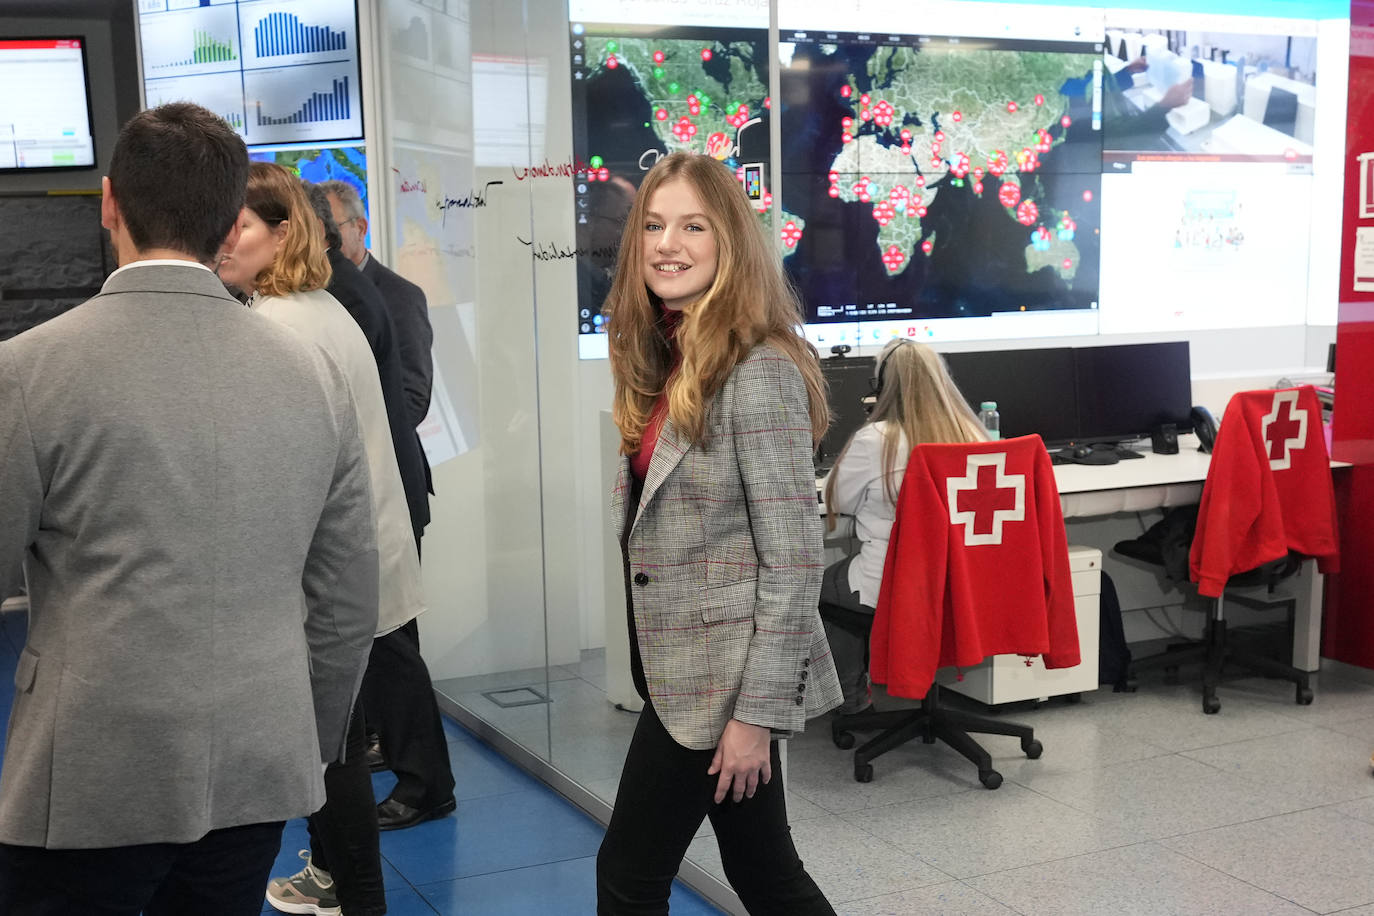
x,y
917,402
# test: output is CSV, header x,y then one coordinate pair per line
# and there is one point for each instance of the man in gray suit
x,y
185,484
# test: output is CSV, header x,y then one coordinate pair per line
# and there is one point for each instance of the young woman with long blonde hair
x,y
917,402
719,402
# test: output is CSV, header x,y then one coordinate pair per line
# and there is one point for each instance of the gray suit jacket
x,y
724,563
186,486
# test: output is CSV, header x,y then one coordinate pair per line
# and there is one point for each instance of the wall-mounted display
x,y
47,125
279,71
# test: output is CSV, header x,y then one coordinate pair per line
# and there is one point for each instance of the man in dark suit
x,y
364,302
405,301
398,696
186,484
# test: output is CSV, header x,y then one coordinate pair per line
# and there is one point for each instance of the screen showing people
x,y
984,171
48,125
279,71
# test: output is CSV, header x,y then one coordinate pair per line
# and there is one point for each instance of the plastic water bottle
x,y
991,419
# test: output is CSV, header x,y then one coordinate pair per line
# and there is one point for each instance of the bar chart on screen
x,y
277,33
302,104
278,71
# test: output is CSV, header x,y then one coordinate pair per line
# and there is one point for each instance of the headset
x,y
881,367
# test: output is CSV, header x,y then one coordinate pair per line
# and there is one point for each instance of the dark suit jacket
x,y
364,302
405,302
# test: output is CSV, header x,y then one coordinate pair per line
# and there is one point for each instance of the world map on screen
x,y
939,181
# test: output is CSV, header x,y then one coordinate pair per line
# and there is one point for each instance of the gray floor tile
x,y
1362,727
1319,859
1141,880
825,775
952,899
1166,796
1361,810
847,863
523,677
979,831
799,809
1170,716
1317,766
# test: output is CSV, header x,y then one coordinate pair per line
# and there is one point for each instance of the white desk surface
x,y
1188,466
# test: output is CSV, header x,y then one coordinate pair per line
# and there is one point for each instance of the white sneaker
x,y
310,891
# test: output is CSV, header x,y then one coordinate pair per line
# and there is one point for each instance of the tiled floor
x,y
513,847
1140,804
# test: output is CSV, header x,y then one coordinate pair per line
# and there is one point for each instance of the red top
x,y
639,461
1268,489
978,565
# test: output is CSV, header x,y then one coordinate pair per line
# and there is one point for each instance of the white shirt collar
x,y
160,262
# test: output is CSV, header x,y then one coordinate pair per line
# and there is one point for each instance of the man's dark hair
x,y
178,174
319,200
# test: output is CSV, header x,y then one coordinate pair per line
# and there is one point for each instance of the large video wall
x,y
960,171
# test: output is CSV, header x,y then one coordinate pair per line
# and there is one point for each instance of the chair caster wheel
x,y
863,772
843,740
1032,748
990,778
1305,696
1211,705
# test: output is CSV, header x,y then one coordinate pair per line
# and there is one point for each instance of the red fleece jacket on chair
x,y
977,565
1268,489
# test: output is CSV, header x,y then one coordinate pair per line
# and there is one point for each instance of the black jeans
x,y
399,702
664,794
224,872
343,834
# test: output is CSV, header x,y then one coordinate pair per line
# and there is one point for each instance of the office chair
x,y
1267,503
977,565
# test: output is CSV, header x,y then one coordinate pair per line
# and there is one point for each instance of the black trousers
x,y
344,835
399,701
664,794
224,872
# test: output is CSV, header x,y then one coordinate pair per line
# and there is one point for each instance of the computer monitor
x,y
1034,389
850,381
47,124
1126,392
1282,111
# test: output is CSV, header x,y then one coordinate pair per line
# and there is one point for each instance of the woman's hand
x,y
742,758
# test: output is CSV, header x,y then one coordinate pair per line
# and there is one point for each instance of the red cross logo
x,y
990,497
1284,431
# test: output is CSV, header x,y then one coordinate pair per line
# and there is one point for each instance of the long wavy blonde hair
x,y
918,397
301,264
748,302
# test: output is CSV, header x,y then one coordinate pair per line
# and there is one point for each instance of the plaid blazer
x,y
723,563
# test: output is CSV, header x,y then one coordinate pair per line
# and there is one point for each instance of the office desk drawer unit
x,y
1008,679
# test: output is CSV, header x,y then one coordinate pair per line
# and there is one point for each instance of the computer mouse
x,y
1082,451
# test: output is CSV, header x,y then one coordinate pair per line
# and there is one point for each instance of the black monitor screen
x,y
849,379
1125,392
1034,389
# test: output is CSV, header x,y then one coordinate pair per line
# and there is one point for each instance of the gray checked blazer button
x,y
641,579
806,662
804,673
800,701
801,688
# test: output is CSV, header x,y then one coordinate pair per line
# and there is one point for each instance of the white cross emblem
x,y
1296,418
1003,481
